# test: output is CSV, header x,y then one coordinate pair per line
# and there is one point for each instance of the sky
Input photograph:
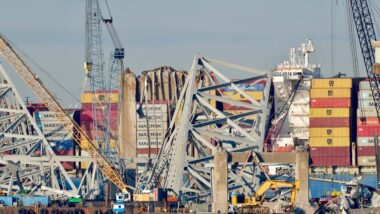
x,y
154,33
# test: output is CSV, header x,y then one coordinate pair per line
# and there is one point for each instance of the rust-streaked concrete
x,y
127,137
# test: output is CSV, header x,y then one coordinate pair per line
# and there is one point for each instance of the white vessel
x,y
286,76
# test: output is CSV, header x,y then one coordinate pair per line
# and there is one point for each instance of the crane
x,y
99,81
40,90
366,34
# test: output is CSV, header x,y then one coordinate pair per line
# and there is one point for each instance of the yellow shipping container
x,y
329,132
249,117
329,141
329,112
85,144
84,164
331,83
257,95
330,93
87,97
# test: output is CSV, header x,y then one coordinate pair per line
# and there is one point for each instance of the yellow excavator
x,y
257,199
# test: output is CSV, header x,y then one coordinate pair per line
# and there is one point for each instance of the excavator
x,y
257,200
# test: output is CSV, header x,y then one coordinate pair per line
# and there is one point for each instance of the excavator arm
x,y
41,91
274,184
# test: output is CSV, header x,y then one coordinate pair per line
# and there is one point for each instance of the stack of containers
x,y
367,125
151,128
330,108
253,89
299,112
87,119
60,140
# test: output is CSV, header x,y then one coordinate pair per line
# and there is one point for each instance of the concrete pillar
x,y
302,175
127,132
219,183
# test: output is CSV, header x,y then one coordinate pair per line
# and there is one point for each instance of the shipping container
x,y
48,116
330,151
301,97
299,121
331,161
300,132
366,160
156,117
153,108
365,94
34,200
257,95
320,122
364,85
366,150
329,132
299,109
366,104
144,151
368,131
368,121
227,106
332,83
329,112
153,125
330,103
257,85
330,93
154,134
88,115
236,112
112,106
366,112
153,143
329,142
6,201
366,141
88,97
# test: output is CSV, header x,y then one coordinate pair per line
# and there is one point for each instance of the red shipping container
x,y
143,151
88,107
282,148
331,161
89,125
329,122
368,131
330,151
227,106
87,115
368,121
66,164
330,103
366,151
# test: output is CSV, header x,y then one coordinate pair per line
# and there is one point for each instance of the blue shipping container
x,y
6,200
32,200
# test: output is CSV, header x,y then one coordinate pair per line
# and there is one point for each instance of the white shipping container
x,y
364,85
144,143
299,109
366,141
365,94
299,121
156,117
153,125
154,134
366,104
367,112
366,160
48,116
154,108
300,133
302,97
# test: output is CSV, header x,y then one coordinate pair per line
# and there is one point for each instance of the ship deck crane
x,y
41,91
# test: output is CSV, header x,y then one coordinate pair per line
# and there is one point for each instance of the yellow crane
x,y
41,91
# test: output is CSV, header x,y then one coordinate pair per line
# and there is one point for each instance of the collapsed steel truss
x,y
199,128
28,163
